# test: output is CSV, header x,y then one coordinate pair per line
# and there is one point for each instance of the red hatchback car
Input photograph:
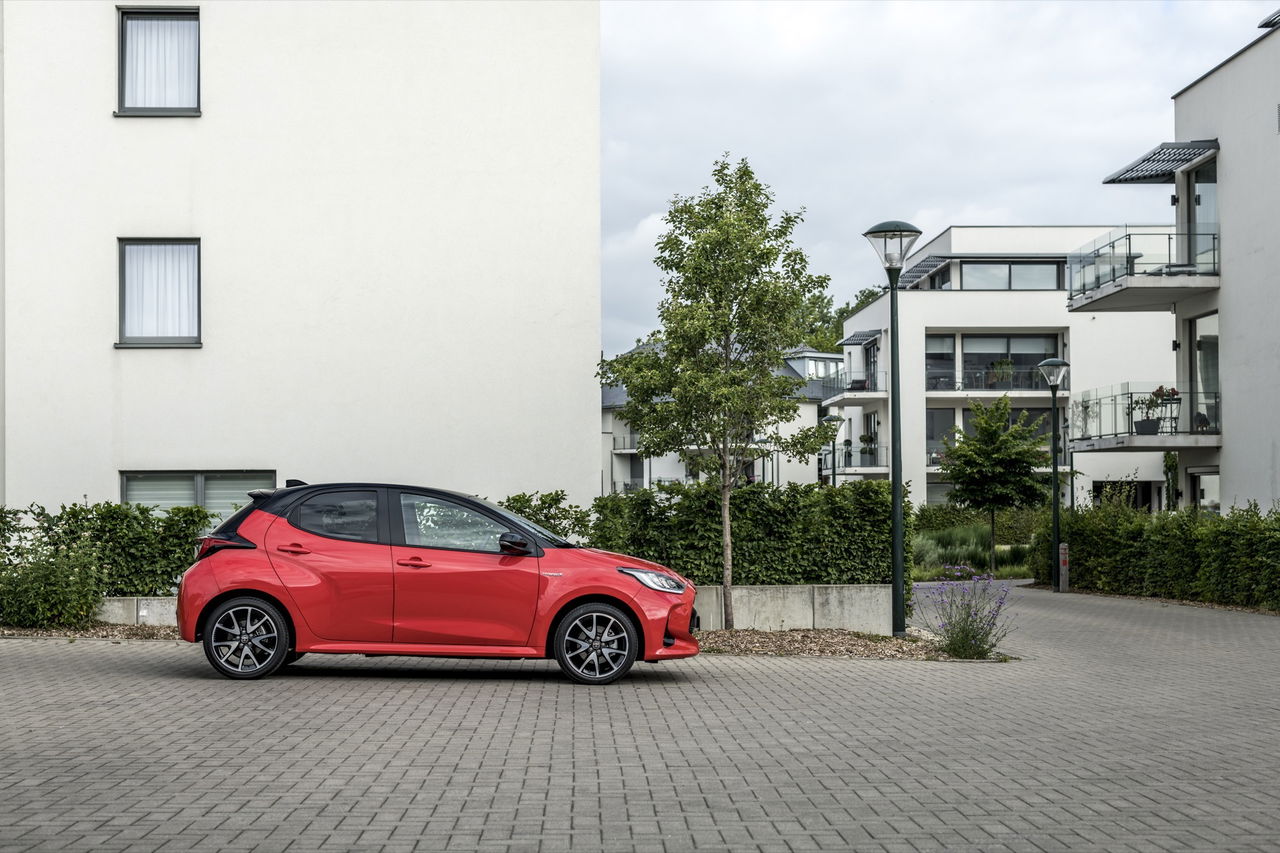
x,y
374,569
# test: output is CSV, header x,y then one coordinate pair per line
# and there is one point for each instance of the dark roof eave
x,y
1159,164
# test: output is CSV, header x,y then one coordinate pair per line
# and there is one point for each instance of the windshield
x,y
551,539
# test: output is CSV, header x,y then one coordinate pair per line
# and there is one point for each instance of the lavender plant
x,y
966,611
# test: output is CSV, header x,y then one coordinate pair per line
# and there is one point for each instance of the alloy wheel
x,y
596,646
244,639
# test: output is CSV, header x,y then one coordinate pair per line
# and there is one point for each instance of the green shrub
x,y
1187,555
936,550
51,585
966,611
1013,526
791,534
550,510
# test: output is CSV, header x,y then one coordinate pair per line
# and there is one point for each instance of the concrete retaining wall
x,y
140,611
856,607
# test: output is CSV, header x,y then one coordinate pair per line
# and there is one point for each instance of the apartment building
x,y
1213,270
979,308
624,469
245,242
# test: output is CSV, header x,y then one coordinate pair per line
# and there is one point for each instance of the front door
x,y
334,555
453,585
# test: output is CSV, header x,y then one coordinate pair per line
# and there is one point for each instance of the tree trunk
x,y
992,571
726,490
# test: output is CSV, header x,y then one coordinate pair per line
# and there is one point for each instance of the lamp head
x,y
892,241
833,419
1054,371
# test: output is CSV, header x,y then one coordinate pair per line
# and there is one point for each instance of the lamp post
x,y
1054,371
833,419
893,241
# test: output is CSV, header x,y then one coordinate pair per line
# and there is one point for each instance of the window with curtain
x,y
159,62
220,492
159,291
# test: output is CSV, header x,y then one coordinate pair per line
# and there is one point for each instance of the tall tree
x,y
708,384
994,466
826,324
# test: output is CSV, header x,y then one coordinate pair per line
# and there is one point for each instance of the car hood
x,y
615,559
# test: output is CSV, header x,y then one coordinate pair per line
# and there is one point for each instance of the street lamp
x,y
893,241
833,419
1054,371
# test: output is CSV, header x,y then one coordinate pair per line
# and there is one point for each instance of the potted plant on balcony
x,y
868,449
848,453
1001,371
1149,406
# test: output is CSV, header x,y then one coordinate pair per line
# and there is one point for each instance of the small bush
x,y
967,612
936,550
51,584
1013,526
550,510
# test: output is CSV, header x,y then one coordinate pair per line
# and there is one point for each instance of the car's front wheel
x,y
246,638
596,643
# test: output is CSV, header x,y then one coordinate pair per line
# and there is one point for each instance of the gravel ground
x,y
826,642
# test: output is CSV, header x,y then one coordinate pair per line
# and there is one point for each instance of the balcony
x,y
627,486
997,378
1142,416
1144,270
855,459
628,442
854,386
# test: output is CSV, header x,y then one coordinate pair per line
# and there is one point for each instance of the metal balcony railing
x,y
1151,252
858,380
1145,409
998,378
876,456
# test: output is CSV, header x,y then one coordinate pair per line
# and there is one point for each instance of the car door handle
x,y
295,548
413,563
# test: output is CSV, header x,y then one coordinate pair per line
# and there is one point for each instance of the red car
x,y
375,569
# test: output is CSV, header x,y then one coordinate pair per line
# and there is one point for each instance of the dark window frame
x,y
198,473
1008,281
161,342
122,14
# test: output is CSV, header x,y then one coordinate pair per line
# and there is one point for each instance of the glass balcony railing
x,y
876,456
858,380
990,378
1145,409
1150,252
627,441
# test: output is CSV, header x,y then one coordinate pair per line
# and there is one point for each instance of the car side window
x,y
434,523
341,515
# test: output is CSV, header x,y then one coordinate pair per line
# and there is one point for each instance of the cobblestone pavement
x,y
1128,725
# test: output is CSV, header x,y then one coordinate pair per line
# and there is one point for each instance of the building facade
x,y
241,245
1213,272
624,469
979,308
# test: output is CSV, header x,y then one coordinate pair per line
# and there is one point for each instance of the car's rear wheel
x,y
246,638
595,643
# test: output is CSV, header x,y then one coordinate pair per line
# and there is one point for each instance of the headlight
x,y
660,581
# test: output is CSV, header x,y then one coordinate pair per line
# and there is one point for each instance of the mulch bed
x,y
96,631
826,642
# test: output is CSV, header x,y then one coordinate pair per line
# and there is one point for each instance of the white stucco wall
x,y
400,248
1236,105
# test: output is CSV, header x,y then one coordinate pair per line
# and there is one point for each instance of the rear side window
x,y
341,515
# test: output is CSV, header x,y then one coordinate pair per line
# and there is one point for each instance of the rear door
x,y
453,585
333,553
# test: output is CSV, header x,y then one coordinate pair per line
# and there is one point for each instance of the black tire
x,y
246,637
595,643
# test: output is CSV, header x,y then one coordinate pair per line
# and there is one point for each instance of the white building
x,y
1215,270
250,241
979,308
623,469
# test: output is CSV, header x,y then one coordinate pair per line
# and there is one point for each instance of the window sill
x,y
158,345
157,113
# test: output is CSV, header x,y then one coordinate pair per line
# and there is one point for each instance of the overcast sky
x,y
950,113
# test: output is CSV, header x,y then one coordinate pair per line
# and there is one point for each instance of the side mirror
x,y
514,543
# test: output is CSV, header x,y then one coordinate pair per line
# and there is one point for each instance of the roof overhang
x,y
1159,165
857,339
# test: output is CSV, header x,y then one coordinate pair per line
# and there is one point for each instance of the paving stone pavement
x,y
1128,726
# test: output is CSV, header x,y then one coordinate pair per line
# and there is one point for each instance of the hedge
x,y
55,568
1188,554
792,534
